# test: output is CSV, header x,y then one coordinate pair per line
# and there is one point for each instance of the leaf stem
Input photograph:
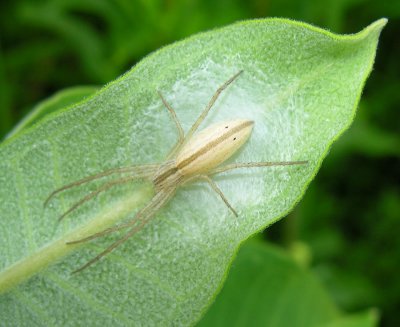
x,y
54,251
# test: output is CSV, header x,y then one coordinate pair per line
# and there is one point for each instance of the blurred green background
x,y
346,227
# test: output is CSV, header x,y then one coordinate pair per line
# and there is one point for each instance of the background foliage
x,y
346,226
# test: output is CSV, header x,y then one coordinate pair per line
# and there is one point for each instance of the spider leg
x,y
137,223
142,170
255,164
173,115
182,139
147,210
181,134
110,248
101,189
215,187
104,232
214,98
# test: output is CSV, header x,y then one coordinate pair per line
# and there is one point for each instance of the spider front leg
x,y
91,195
140,171
181,134
182,139
136,172
206,110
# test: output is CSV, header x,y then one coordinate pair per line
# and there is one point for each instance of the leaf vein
x,y
143,273
84,297
33,307
26,217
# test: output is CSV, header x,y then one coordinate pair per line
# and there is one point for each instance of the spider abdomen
x,y
212,146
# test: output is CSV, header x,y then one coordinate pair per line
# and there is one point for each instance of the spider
x,y
194,157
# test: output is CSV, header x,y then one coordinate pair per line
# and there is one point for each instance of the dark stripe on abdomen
x,y
212,144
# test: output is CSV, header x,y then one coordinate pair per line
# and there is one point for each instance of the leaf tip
x,y
378,25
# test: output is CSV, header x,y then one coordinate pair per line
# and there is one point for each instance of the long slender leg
x,y
181,134
215,187
174,117
254,164
140,219
142,170
174,150
104,232
148,209
214,98
101,189
111,247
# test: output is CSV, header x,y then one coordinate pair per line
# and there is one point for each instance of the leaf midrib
x,y
55,250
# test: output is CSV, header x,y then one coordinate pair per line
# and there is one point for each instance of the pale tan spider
x,y
194,157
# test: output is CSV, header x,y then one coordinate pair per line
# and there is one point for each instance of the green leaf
x,y
301,86
263,289
59,100
363,319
